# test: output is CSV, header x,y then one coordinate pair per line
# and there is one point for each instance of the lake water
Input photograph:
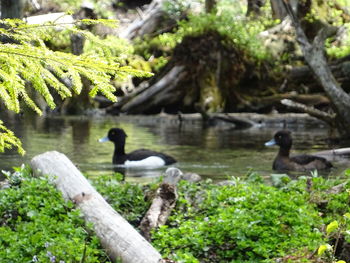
x,y
216,152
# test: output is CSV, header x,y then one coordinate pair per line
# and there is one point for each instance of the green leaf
x,y
331,227
29,69
8,140
323,248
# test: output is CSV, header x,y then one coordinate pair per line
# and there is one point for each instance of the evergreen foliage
x,y
8,139
29,69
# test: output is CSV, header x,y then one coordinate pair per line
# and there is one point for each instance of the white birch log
x,y
117,236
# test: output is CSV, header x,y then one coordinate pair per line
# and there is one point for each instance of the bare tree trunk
x,y
12,8
326,117
315,57
117,236
161,93
147,23
278,10
210,5
254,7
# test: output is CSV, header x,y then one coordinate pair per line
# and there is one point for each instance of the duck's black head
x,y
116,135
282,138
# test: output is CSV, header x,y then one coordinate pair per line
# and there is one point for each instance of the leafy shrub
x,y
236,29
245,222
128,199
342,49
37,225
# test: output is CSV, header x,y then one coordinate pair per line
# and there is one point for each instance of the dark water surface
x,y
215,152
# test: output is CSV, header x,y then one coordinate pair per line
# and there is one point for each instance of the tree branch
x,y
326,117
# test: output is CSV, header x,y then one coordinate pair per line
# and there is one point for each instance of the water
x,y
213,152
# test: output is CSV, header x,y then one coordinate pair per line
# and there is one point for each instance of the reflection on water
x,y
215,152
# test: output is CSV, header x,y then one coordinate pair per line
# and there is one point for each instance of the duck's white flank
x,y
152,161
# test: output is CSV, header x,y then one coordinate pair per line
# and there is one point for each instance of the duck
x,y
137,158
299,163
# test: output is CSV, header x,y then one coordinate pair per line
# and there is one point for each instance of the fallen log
x,y
146,24
303,74
308,99
314,55
326,117
340,151
117,236
160,94
340,155
163,203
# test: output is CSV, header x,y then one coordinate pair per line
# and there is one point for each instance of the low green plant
x,y
37,225
334,231
126,198
248,222
245,220
240,33
338,49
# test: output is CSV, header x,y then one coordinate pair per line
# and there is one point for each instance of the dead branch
x,y
163,203
326,117
315,56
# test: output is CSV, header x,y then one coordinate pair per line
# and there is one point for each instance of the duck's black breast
x,y
141,154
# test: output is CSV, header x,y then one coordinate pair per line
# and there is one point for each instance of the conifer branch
x,y
26,63
8,140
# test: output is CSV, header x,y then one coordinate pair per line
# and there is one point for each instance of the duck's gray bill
x,y
270,143
104,139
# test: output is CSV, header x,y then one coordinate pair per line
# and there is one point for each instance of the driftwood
x,y
315,57
336,152
161,93
303,74
115,107
4,184
326,117
147,23
337,188
117,236
308,99
57,18
278,10
191,177
163,203
239,123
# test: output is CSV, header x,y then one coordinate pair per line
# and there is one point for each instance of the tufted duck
x,y
138,158
299,163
